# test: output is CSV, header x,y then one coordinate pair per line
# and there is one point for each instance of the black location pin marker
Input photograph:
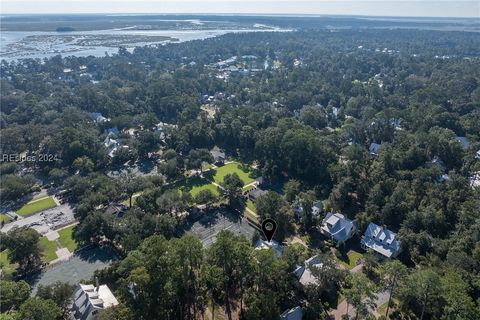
x,y
268,227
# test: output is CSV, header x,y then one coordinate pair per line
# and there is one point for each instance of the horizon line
x,y
237,14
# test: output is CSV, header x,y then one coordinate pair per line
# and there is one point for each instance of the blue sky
x,y
426,8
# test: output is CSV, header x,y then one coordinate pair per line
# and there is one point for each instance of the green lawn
x,y
248,188
353,256
306,238
36,206
195,184
7,267
233,167
4,218
49,248
383,308
66,239
134,199
251,216
206,166
251,206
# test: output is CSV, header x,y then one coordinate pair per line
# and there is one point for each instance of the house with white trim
x,y
337,227
304,273
317,208
89,300
292,314
374,148
381,240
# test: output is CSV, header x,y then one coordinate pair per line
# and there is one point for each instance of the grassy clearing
x,y
66,239
248,188
206,166
352,257
306,238
7,267
251,206
49,248
232,167
196,184
251,215
134,199
4,218
383,308
36,206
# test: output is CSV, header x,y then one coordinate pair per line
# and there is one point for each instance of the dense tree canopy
x,y
304,119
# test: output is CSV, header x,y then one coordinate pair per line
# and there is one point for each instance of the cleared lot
x,y
209,225
232,167
80,267
196,184
36,205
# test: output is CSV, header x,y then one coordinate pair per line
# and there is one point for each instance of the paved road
x,y
381,298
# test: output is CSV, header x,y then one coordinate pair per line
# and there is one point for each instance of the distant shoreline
x,y
230,14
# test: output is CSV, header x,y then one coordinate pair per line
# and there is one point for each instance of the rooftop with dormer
x,y
381,240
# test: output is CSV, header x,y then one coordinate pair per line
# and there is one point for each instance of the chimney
x,y
97,286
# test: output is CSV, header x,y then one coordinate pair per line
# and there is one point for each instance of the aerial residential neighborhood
x,y
305,160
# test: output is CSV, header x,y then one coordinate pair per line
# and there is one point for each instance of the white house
x,y
475,180
317,208
89,300
381,240
262,244
337,227
292,314
304,273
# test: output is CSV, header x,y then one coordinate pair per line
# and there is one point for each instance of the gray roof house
x,y
218,157
98,118
317,208
381,240
292,314
304,273
374,148
89,300
255,193
337,227
463,141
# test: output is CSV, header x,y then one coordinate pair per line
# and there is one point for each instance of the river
x,y
35,44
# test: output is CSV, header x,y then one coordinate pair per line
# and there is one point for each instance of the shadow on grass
x,y
188,184
352,245
316,239
210,218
